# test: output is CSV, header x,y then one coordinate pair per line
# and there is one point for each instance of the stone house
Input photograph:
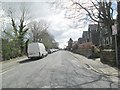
x,y
106,38
70,42
80,40
85,37
93,34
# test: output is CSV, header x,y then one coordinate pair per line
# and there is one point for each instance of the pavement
x,y
98,66
8,64
61,69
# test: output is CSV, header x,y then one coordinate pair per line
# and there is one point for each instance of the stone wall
x,y
88,52
107,56
84,52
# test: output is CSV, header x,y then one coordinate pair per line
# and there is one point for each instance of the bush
x,y
10,49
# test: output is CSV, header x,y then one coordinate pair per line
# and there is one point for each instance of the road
x,y
58,70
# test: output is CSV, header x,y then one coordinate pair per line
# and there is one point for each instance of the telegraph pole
x,y
118,30
114,32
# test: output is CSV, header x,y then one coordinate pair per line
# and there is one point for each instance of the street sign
x,y
114,29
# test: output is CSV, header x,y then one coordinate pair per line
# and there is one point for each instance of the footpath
x,y
8,64
97,66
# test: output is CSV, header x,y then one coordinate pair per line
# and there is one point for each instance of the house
x,y
80,40
70,42
85,37
75,45
106,38
93,34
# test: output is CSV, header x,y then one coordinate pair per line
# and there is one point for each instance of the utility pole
x,y
114,33
118,30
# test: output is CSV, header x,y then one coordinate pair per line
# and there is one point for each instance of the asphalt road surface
x,y
58,70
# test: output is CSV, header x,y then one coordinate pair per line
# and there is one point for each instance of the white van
x,y
36,50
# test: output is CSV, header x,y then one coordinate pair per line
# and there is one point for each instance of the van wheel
x,y
42,55
31,58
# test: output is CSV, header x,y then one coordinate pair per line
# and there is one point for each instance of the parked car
x,y
36,50
49,51
54,50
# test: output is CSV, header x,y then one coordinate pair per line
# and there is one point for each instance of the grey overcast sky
x,y
40,9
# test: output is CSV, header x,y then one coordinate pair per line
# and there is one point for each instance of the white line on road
x,y
5,71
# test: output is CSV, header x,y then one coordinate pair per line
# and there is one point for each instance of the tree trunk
x,y
26,46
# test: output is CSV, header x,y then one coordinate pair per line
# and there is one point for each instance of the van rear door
x,y
33,50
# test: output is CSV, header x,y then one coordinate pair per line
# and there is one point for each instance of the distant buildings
x,y
80,41
97,35
88,39
85,37
70,43
106,39
91,36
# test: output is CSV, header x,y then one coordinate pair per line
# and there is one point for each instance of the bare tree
x,y
37,29
99,11
39,33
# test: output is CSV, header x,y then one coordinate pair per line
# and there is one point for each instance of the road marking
x,y
7,70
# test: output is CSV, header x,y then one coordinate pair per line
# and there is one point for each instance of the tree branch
x,y
87,12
